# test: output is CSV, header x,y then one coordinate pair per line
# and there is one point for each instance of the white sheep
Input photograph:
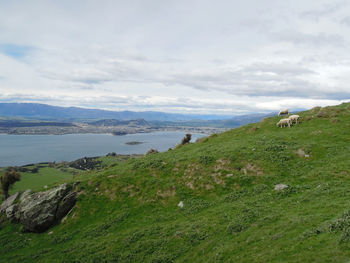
x,y
283,122
283,112
294,118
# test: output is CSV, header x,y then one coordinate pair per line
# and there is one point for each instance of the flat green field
x,y
45,177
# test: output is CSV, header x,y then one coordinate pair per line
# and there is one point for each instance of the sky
x,y
223,57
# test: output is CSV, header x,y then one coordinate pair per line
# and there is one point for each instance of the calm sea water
x,y
16,150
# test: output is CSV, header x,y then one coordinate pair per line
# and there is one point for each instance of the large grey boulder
x,y
39,211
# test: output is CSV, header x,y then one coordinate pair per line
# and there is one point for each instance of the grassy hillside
x,y
128,211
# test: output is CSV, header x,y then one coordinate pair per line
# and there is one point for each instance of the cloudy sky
x,y
188,56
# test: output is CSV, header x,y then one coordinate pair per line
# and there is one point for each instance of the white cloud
x,y
185,56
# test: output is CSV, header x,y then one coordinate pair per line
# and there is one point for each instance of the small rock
x,y
306,155
279,187
50,233
229,175
181,204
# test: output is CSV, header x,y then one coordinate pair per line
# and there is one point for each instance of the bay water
x,y
17,150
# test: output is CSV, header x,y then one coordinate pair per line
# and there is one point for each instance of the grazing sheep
x,y
283,112
283,123
294,118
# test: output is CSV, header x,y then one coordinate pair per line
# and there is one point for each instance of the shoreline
x,y
199,130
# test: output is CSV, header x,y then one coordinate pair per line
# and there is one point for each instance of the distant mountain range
x,y
48,112
43,112
232,122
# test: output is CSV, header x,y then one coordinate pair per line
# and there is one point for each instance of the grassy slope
x,y
128,212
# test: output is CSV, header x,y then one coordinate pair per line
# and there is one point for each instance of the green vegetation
x,y
127,211
45,176
10,176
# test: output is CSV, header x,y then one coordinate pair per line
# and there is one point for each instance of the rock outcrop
x,y
39,211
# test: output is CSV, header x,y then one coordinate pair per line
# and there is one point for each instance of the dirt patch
x,y
209,186
168,193
129,189
191,169
190,185
316,109
252,169
110,194
253,129
316,132
217,178
335,120
112,176
153,172
221,164
308,118
323,114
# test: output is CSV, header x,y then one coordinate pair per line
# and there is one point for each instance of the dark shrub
x,y
206,159
152,151
186,139
8,179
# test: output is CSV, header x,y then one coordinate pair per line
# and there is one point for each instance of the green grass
x,y
46,176
127,211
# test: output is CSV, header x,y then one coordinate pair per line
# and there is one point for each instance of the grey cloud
x,y
337,95
253,80
280,69
323,11
345,21
314,40
133,54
